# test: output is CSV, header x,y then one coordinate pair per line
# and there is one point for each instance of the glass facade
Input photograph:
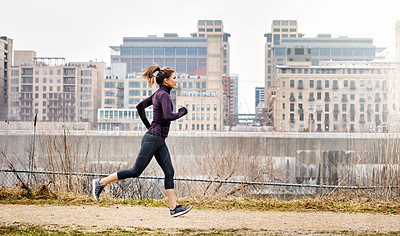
x,y
184,55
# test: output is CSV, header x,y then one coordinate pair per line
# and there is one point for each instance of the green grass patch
x,y
25,229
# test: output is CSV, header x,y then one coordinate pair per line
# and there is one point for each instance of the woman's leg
x,y
149,145
164,160
109,179
171,198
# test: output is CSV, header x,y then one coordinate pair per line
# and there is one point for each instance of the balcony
x,y
326,121
292,121
300,87
319,110
352,111
336,110
120,87
319,86
344,99
335,86
311,99
292,99
352,87
378,99
301,110
327,99
362,121
362,99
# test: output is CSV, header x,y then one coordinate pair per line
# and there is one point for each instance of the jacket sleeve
x,y
140,109
166,108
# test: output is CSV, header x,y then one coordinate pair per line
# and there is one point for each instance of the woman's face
x,y
171,81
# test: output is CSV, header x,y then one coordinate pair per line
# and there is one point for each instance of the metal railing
x,y
141,187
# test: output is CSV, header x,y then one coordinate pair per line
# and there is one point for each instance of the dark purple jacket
x,y
162,111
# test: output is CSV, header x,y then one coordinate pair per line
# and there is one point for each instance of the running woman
x,y
153,142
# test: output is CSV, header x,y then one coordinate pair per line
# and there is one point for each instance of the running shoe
x,y
180,210
97,188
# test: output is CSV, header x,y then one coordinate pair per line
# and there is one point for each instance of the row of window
x,y
327,97
330,71
344,118
210,30
198,127
66,80
210,22
164,51
335,84
336,107
284,22
368,128
66,72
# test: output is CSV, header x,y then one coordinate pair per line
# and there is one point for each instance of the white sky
x,y
83,30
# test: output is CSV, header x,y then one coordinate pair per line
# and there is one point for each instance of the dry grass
x,y
350,204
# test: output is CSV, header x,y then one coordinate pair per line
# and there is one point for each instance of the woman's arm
x,y
140,109
166,108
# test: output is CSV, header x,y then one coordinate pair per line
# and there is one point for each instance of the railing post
x,y
157,188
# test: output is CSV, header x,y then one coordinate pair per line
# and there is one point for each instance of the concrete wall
x,y
279,157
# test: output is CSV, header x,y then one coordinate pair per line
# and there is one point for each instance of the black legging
x,y
152,145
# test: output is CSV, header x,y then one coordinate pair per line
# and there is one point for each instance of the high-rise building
x,y
259,100
6,49
54,90
336,97
208,27
280,29
185,55
230,91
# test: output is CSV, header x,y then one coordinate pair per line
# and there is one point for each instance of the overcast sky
x,y
83,30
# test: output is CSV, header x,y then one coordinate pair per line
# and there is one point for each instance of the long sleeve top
x,y
162,111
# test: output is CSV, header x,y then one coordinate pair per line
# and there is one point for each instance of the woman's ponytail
x,y
151,73
156,74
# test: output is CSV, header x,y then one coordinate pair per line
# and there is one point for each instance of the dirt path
x,y
125,217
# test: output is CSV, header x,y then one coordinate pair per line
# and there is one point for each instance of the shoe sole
x,y
93,190
182,213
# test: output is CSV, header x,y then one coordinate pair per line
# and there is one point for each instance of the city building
x,y
207,27
336,97
325,48
54,90
231,99
121,93
199,86
185,55
280,29
259,99
6,49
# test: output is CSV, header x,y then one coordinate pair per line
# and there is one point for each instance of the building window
x,y
311,83
291,83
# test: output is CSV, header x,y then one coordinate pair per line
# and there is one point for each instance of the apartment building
x,y
336,97
6,49
54,90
